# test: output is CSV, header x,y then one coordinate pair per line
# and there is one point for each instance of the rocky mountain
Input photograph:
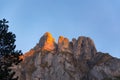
x,y
67,60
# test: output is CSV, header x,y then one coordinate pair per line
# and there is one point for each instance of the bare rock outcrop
x,y
47,42
72,60
84,48
63,45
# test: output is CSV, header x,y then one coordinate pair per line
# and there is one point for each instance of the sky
x,y
97,19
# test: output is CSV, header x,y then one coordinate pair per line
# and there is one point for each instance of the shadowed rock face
x,y
84,48
67,60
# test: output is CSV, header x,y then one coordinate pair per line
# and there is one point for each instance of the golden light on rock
x,y
28,54
49,42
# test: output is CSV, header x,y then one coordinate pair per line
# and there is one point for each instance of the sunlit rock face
x,y
47,42
67,60
64,45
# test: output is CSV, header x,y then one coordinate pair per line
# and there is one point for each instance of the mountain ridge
x,y
67,60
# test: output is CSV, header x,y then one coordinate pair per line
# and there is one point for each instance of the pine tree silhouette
x,y
8,55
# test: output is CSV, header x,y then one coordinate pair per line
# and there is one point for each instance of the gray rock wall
x,y
75,60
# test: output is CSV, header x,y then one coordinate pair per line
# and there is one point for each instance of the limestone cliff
x,y
67,60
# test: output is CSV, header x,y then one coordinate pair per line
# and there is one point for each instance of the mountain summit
x,y
47,42
67,60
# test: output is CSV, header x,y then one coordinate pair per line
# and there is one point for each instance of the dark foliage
x,y
8,55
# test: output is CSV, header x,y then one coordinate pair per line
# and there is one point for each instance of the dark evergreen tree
x,y
8,55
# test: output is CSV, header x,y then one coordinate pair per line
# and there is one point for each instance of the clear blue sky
x,y
98,19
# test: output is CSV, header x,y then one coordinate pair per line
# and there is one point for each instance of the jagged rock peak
x,y
47,42
75,60
84,47
63,44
